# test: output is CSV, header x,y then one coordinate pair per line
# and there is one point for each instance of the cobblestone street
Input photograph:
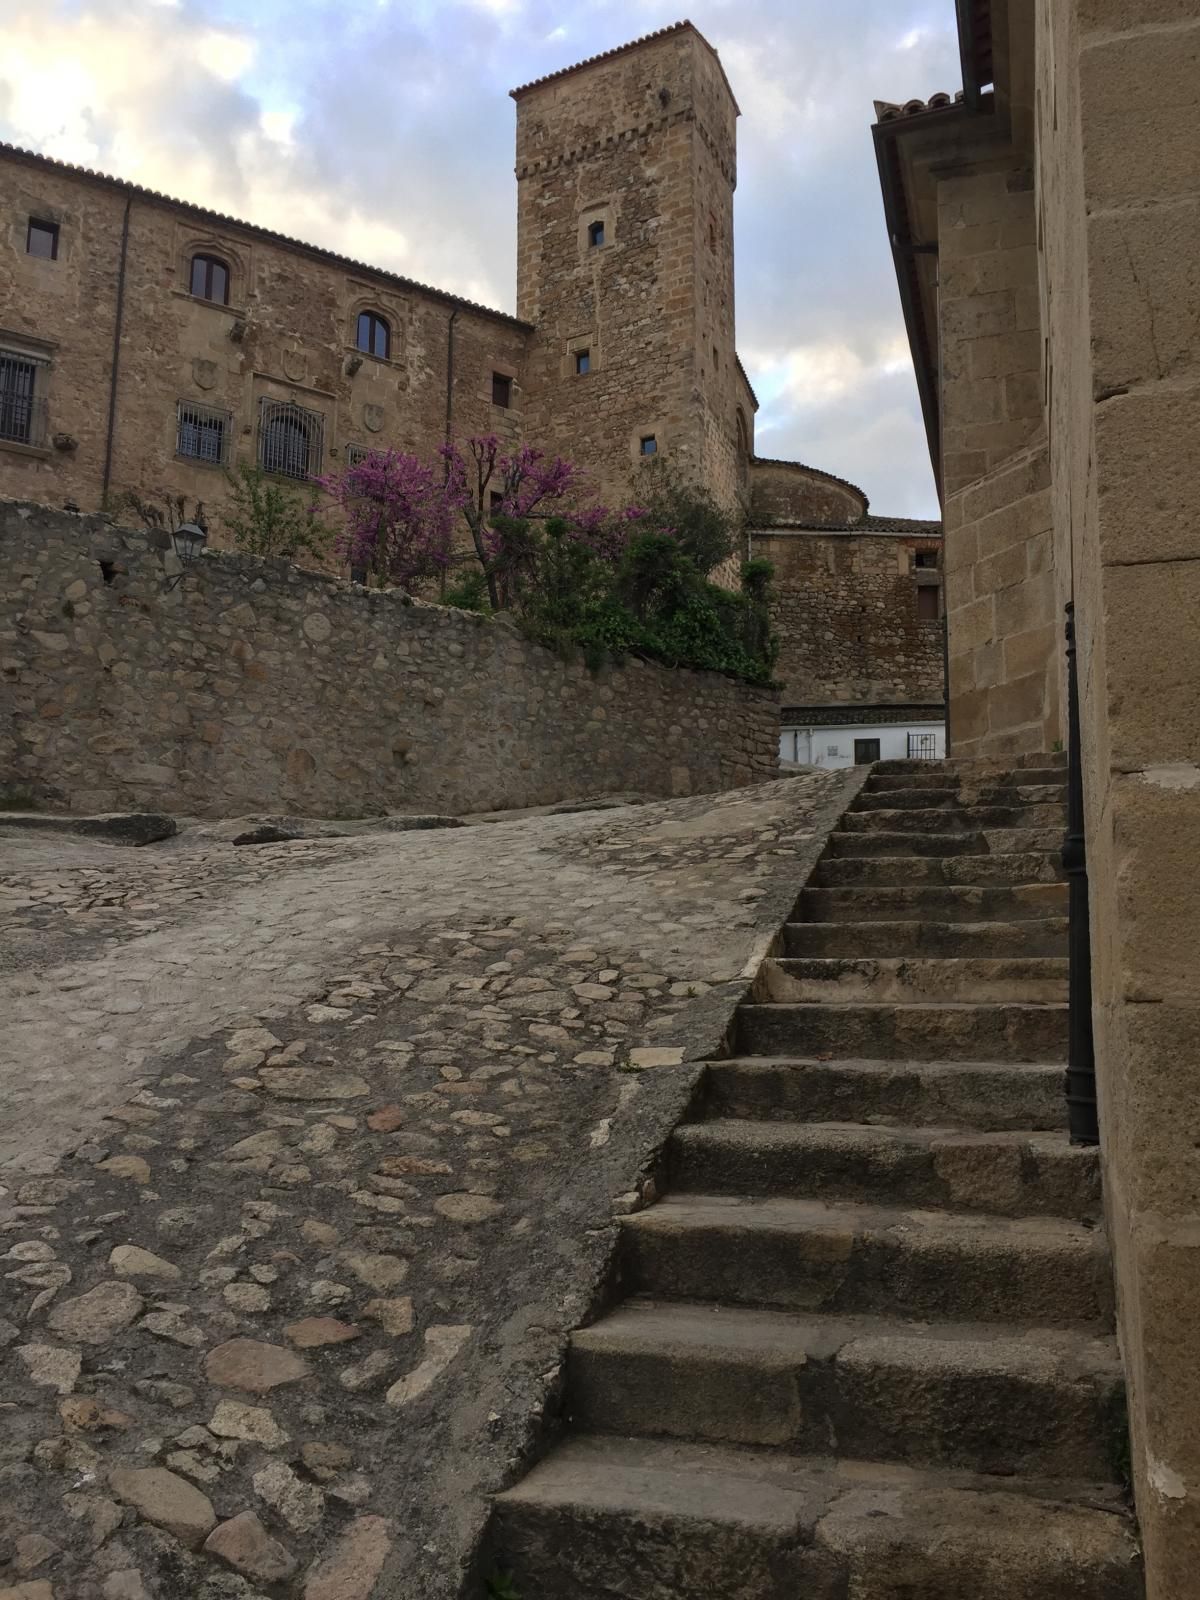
x,y
294,1129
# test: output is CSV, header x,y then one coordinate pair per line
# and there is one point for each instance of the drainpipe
x,y
116,355
450,375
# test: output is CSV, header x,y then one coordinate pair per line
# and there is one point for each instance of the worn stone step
x,y
1034,936
979,1396
951,775
988,841
908,978
648,1519
1055,760
1005,1173
965,1094
938,903
897,871
951,1031
952,819
806,1255
960,797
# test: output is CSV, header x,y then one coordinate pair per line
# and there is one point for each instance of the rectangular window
x,y
356,453
583,362
928,609
202,433
926,559
290,439
648,446
865,751
42,239
495,501
21,409
922,747
501,389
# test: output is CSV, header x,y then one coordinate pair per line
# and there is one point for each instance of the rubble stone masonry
x,y
254,686
845,611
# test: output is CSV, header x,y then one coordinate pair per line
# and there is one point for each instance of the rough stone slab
x,y
118,827
167,1500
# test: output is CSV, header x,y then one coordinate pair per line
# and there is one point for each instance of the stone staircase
x,y
866,1351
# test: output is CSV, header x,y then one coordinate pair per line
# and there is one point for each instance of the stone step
x,y
906,978
990,841
965,1094
1034,936
1007,1174
805,1255
948,819
951,775
897,871
644,1519
915,1032
1055,760
979,1396
959,902
960,797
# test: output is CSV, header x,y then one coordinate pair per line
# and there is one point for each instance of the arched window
x,y
374,335
210,279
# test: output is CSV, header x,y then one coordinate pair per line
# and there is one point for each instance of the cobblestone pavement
x,y
309,1161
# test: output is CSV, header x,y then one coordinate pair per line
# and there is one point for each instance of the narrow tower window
x,y
501,389
648,445
595,234
583,362
42,239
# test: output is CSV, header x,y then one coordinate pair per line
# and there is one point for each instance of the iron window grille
x,y
922,747
22,408
356,453
202,433
290,439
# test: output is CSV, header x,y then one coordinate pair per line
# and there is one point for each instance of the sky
x,y
383,129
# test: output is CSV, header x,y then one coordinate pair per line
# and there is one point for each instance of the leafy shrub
x,y
266,519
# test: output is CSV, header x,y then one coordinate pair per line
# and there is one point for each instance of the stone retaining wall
x,y
256,686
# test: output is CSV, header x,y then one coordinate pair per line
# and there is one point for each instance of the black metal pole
x,y
1082,1120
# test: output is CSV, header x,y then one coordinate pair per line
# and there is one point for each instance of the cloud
x,y
382,129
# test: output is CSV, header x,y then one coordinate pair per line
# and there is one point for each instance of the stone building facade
x,y
145,343
1044,226
857,609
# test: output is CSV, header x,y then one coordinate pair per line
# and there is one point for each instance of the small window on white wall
x,y
831,749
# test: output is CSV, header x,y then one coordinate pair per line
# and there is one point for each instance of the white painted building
x,y
908,733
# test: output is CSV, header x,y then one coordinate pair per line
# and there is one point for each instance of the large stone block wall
x,y
845,613
1005,649
1120,212
255,686
288,333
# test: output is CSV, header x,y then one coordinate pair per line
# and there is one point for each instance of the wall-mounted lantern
x,y
187,540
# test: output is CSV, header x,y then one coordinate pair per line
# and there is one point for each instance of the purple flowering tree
x,y
525,485
400,516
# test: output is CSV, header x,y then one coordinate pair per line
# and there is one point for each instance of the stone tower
x,y
626,171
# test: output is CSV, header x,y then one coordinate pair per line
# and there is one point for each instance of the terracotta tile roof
x,y
623,49
887,111
32,157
